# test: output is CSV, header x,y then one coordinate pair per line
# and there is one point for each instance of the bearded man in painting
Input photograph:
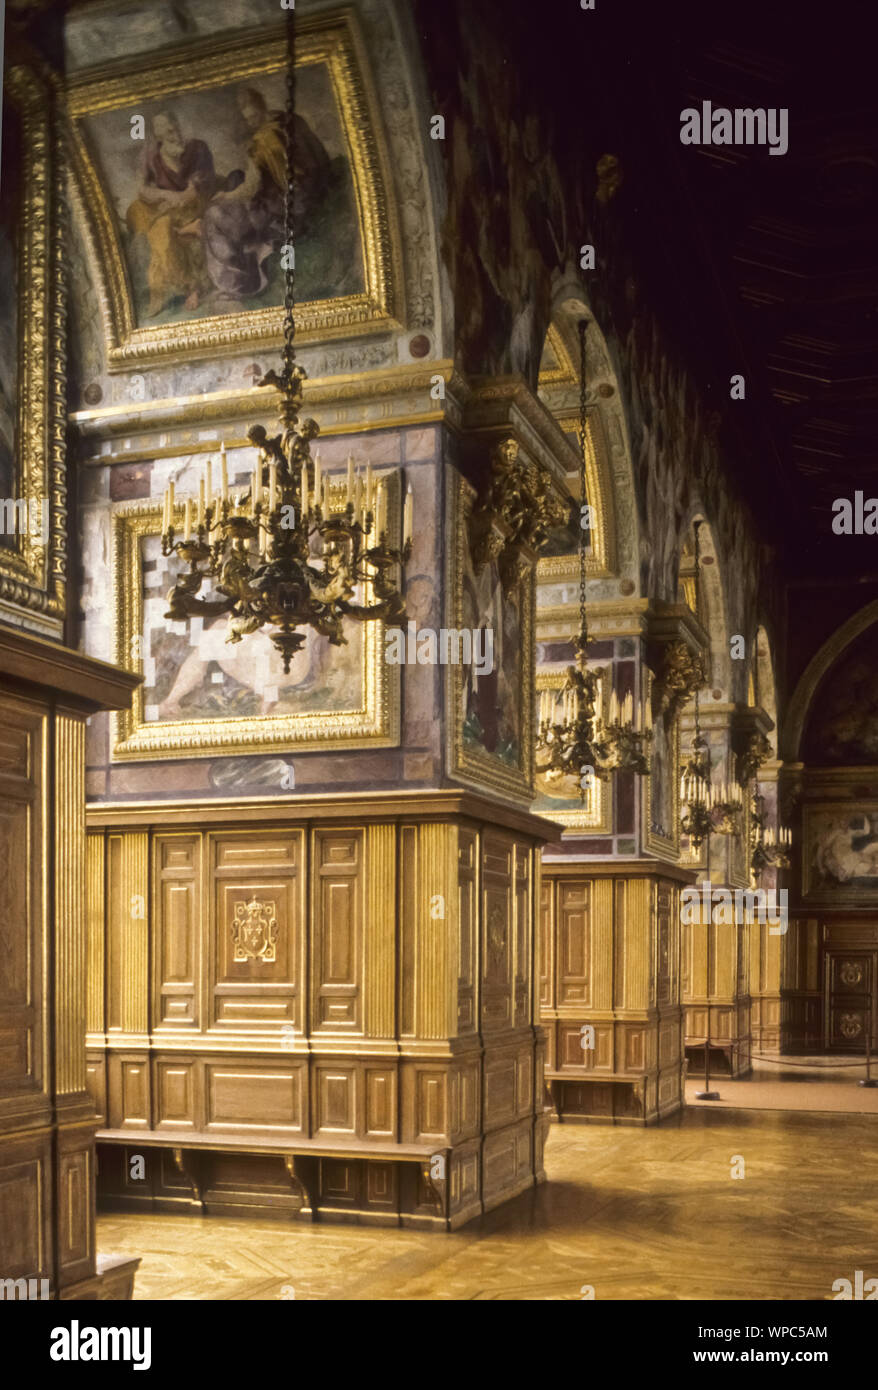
x,y
177,184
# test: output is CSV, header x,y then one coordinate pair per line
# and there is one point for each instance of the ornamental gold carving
x,y
850,973
254,931
496,939
33,567
850,1025
512,522
752,756
681,674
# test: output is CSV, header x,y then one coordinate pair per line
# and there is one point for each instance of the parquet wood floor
x,y
634,1213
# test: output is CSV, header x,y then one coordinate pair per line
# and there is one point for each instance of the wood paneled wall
x,y
363,985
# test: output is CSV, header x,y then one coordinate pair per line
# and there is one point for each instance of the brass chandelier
x,y
572,738
768,849
294,549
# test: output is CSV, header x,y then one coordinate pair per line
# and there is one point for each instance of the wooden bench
x,y
300,1155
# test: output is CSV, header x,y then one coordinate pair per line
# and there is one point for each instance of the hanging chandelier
x,y
769,849
572,738
297,549
707,808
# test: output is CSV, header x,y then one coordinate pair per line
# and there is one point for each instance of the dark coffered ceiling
x,y
759,264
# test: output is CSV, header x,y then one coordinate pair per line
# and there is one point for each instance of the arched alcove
x,y
609,474
708,604
761,683
815,672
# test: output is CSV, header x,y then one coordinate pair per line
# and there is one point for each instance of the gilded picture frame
x,y
654,841
334,42
372,721
469,763
33,566
593,815
840,852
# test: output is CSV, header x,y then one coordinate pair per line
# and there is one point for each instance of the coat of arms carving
x,y
254,931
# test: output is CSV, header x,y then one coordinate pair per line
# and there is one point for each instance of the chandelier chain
x,y
289,354
583,514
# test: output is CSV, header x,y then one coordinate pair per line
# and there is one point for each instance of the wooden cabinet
x,y
851,996
609,981
319,1006
47,1123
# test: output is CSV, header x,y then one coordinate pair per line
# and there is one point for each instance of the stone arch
x,y
812,677
712,608
611,466
764,686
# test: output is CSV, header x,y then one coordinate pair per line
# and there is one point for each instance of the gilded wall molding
x,y
335,42
374,723
33,570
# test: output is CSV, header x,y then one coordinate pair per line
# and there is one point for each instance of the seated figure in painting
x,y
244,222
178,180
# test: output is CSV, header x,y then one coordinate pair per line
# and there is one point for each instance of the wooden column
x,y
47,1122
368,1050
611,1004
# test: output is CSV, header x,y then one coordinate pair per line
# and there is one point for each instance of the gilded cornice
x,y
325,398
416,805
606,619
492,404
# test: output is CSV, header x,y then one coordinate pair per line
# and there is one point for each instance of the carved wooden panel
x,y
498,923
335,1099
408,928
465,1101
664,901
74,1188
240,1096
25,1208
380,1099
574,945
522,964
337,944
127,933
500,1078
431,1120
22,876
175,1094
547,944
178,936
467,904
257,930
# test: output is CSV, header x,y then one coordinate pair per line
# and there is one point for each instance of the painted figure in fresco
x,y
850,852
178,180
245,221
491,703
